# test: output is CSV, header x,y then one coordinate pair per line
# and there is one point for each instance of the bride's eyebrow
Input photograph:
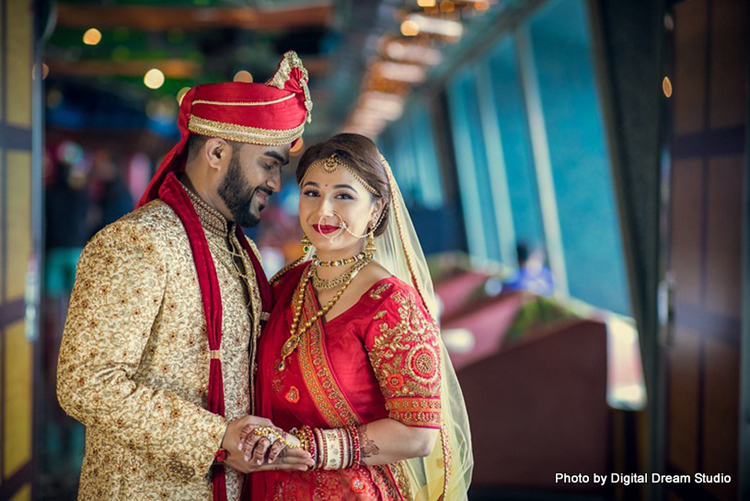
x,y
345,186
312,183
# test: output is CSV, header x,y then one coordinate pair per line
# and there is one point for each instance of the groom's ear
x,y
217,153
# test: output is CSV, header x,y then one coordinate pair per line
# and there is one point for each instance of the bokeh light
x,y
154,78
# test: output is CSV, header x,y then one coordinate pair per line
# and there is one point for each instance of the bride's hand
x,y
280,450
259,449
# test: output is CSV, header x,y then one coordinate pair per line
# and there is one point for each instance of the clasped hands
x,y
248,452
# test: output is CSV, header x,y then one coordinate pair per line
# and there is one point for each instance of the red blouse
x,y
379,359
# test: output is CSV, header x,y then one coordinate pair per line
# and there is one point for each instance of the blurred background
x,y
576,171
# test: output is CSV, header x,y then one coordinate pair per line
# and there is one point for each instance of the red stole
x,y
173,194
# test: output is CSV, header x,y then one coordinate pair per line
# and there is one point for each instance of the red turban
x,y
271,114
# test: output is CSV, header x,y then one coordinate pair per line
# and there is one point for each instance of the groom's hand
x,y
234,440
274,456
263,451
246,451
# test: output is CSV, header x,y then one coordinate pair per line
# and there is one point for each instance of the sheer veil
x,y
446,473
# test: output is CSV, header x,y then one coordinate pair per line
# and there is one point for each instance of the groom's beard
x,y
238,195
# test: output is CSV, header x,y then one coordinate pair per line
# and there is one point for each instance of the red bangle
x,y
312,446
220,456
354,434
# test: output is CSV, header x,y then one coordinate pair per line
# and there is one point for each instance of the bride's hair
x,y
362,157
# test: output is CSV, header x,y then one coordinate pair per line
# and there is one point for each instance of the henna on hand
x,y
367,446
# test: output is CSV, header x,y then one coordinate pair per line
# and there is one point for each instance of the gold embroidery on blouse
x,y
407,365
376,293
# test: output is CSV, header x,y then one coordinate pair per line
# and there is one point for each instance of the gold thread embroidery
x,y
447,458
401,481
290,61
376,293
236,103
210,218
384,479
242,133
405,356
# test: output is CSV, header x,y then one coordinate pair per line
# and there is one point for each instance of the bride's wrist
x,y
333,448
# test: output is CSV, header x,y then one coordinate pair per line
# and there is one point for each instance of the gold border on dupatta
x,y
324,389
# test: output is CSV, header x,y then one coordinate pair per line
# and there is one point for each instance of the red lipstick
x,y
325,229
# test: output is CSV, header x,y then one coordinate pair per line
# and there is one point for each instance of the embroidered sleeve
x,y
402,342
120,283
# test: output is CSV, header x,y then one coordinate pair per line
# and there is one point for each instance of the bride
x,y
351,361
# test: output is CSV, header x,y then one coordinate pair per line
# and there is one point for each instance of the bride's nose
x,y
325,207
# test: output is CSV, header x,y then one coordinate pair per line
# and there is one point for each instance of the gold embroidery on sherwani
x,y
134,360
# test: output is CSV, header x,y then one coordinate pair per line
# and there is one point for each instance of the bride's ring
x,y
273,436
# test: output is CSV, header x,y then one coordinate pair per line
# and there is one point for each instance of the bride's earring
x,y
306,244
370,248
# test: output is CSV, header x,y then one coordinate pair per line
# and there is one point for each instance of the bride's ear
x,y
377,207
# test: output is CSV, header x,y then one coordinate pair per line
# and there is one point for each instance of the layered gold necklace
x,y
299,328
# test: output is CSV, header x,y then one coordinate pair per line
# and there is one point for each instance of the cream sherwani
x,y
134,360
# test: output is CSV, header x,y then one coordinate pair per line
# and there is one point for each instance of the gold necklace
x,y
338,262
234,263
330,283
298,328
235,270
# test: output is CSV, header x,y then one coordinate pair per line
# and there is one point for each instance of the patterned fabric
x,y
402,343
134,359
376,360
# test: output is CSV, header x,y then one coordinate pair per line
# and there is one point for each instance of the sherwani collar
x,y
211,219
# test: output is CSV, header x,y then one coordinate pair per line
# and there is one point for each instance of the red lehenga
x,y
378,359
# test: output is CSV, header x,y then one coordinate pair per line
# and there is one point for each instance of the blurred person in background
x,y
157,359
67,206
533,274
114,199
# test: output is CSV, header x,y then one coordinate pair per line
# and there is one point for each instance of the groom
x,y
158,354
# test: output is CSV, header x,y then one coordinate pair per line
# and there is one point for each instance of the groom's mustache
x,y
265,190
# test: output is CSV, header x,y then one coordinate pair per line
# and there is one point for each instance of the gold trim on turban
x,y
243,133
257,103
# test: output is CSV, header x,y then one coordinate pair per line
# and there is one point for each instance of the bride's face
x,y
330,200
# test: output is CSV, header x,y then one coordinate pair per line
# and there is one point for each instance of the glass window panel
x,y
430,182
561,44
471,163
514,131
